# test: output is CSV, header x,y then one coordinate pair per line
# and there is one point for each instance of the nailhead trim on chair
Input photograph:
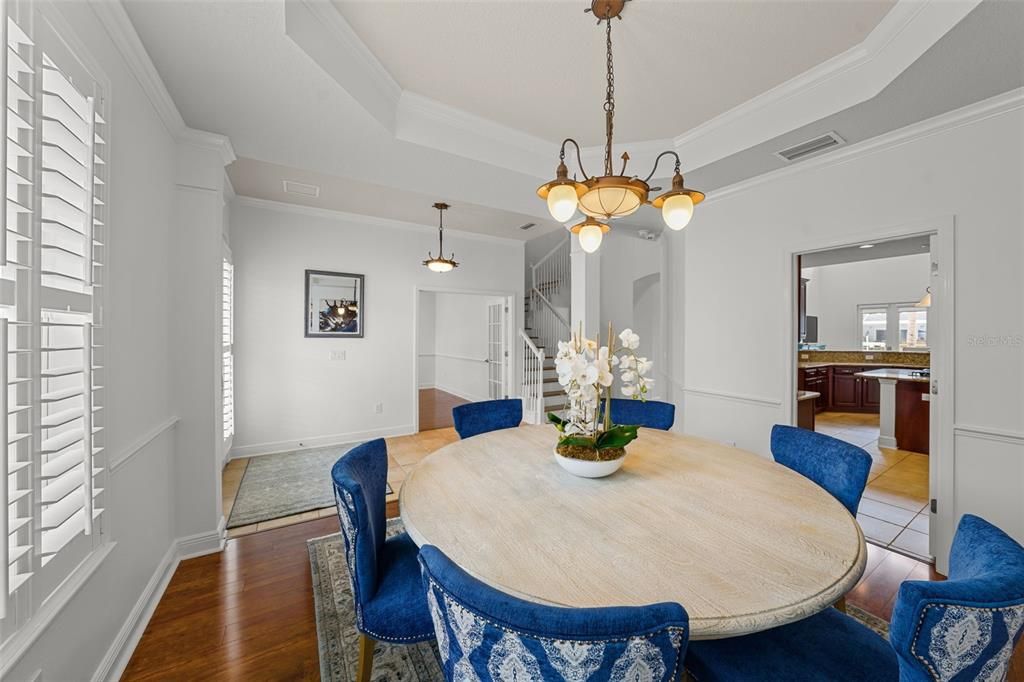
x,y
920,624
670,629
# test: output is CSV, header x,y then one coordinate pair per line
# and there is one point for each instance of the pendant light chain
x,y
609,100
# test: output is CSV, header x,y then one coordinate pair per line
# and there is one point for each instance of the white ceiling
x,y
235,67
266,181
539,67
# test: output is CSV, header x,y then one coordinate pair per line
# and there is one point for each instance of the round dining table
x,y
743,543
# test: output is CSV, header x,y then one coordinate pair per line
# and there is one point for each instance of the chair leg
x,y
366,645
841,604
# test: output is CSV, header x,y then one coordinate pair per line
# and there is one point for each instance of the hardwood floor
x,y
247,613
436,408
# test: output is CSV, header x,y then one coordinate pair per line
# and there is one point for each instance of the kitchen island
x,y
904,409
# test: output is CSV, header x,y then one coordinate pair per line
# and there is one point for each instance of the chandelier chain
x,y
609,101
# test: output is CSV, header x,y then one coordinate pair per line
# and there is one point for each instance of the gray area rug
x,y
337,637
284,484
336,632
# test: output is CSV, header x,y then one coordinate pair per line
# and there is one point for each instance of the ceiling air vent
x,y
819,144
527,226
301,188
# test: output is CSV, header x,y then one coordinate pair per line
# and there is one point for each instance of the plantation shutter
x,y
51,274
16,466
72,212
227,341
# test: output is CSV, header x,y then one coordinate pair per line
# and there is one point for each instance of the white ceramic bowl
x,y
588,469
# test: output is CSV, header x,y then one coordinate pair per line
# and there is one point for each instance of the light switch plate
x,y
336,355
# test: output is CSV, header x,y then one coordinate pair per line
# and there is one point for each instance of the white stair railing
x,y
547,324
533,380
551,273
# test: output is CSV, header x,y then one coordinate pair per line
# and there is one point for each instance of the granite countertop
x,y
807,395
898,374
815,365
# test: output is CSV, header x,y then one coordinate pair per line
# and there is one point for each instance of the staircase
x,y
546,315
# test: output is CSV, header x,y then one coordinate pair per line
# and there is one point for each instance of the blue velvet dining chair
x,y
959,629
484,634
652,414
839,467
488,415
386,586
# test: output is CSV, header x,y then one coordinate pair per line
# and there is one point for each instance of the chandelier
x,y
609,196
440,263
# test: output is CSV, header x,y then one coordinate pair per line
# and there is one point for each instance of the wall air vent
x,y
301,188
829,140
527,226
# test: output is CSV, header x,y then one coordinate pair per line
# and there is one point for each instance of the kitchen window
x,y
876,319
52,278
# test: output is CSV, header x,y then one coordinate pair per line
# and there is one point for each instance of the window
x,y
876,320
227,341
913,327
872,327
51,331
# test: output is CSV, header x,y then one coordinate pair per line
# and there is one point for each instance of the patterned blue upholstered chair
x,y
386,584
487,635
652,414
837,466
959,629
488,415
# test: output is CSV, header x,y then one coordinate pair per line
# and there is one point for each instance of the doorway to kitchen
x,y
867,331
462,352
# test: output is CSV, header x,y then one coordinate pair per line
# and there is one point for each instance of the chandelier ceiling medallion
x,y
609,196
440,263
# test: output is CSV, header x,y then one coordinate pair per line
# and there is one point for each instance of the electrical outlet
x,y
805,356
869,357
378,408
336,355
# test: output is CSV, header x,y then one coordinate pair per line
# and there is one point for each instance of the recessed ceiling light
x,y
866,246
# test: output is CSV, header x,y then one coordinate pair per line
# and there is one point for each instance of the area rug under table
x,y
274,486
338,639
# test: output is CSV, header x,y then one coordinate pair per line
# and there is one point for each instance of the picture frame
x,y
334,305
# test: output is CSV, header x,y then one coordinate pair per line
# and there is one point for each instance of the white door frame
x,y
941,327
511,368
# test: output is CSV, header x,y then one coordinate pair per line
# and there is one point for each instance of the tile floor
x,y
404,452
893,511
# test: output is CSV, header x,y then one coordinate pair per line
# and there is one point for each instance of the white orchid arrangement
x,y
585,371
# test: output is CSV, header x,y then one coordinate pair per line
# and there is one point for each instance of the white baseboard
x,y
120,652
318,441
887,442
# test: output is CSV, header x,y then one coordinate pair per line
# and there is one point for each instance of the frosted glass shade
x,y
562,202
610,202
677,211
440,266
590,237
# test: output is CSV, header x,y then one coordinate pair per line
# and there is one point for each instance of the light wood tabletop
x,y
742,543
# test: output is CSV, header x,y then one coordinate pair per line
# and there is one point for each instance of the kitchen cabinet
x,y
817,379
912,415
852,393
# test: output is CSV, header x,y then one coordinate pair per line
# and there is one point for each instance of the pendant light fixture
x,y
612,196
926,300
440,263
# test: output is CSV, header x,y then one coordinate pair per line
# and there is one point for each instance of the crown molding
x,y
212,141
323,33
367,220
1005,103
860,73
429,123
123,35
